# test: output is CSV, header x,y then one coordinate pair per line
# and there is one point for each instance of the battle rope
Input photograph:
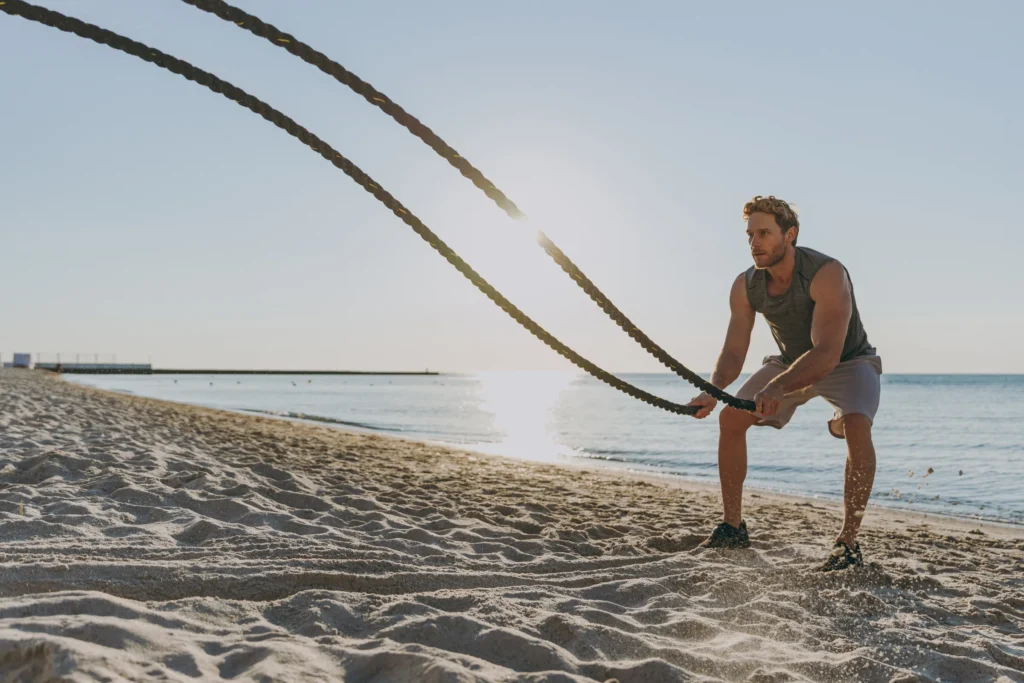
x,y
311,56
197,75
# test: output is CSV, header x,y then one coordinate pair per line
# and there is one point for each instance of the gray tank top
x,y
789,314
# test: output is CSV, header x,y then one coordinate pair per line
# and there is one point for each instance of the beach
x,y
148,540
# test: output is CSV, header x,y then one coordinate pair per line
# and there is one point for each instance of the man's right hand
x,y
706,403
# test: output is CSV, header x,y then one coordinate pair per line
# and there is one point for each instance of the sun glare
x,y
521,406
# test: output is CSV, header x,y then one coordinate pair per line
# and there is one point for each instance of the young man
x,y
807,299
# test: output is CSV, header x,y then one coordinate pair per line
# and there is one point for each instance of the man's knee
x,y
856,429
735,421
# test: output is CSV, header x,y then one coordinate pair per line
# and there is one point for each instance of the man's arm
x,y
737,337
833,306
734,351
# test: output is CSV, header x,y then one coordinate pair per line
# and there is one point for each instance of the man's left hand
x,y
767,400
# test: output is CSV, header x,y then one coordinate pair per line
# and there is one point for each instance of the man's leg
x,y
732,460
860,474
732,440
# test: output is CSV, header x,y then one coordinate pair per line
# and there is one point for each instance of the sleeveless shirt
x,y
789,315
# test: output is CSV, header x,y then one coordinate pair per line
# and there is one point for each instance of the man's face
x,y
767,243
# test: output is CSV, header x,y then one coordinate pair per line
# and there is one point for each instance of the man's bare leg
x,y
860,474
732,460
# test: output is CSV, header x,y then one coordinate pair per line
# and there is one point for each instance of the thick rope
x,y
196,75
258,27
318,59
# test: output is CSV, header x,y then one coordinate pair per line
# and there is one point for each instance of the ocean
x,y
946,444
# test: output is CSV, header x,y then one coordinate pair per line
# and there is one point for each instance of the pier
x,y
106,364
145,369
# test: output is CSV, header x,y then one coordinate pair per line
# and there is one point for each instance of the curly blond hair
x,y
785,215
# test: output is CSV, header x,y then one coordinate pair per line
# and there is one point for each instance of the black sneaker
x,y
726,535
842,557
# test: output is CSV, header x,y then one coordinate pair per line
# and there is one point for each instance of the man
x,y
807,299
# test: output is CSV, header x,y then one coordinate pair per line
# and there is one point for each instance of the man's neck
x,y
782,272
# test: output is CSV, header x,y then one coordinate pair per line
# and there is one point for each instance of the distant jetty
x,y
106,364
165,371
143,369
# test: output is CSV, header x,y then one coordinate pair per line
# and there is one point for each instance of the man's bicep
x,y
833,306
741,319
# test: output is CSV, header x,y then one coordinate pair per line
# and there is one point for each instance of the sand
x,y
144,540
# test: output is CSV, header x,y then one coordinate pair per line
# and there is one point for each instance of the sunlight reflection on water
x,y
521,407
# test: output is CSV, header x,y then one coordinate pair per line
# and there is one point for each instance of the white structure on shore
x,y
22,360
95,363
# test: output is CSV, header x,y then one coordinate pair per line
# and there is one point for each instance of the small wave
x,y
320,418
598,456
610,451
615,452
673,466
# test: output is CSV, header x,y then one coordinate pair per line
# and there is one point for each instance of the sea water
x,y
948,444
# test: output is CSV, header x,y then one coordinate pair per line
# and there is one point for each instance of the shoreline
x,y
596,465
144,539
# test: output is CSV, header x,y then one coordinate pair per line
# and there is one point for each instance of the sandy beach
x,y
144,540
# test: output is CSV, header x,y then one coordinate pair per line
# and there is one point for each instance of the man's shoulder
x,y
813,262
830,279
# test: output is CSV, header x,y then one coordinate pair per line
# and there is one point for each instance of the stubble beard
x,y
774,258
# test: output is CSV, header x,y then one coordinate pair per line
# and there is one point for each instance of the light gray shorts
x,y
854,386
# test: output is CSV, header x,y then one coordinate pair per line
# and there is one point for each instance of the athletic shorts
x,y
853,386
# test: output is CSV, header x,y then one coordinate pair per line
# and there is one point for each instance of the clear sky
x,y
144,215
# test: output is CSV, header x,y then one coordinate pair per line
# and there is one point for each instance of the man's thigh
x,y
854,387
771,369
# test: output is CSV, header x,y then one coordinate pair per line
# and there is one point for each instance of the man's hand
x,y
706,403
768,399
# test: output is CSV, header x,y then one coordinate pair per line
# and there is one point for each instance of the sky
x,y
143,215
